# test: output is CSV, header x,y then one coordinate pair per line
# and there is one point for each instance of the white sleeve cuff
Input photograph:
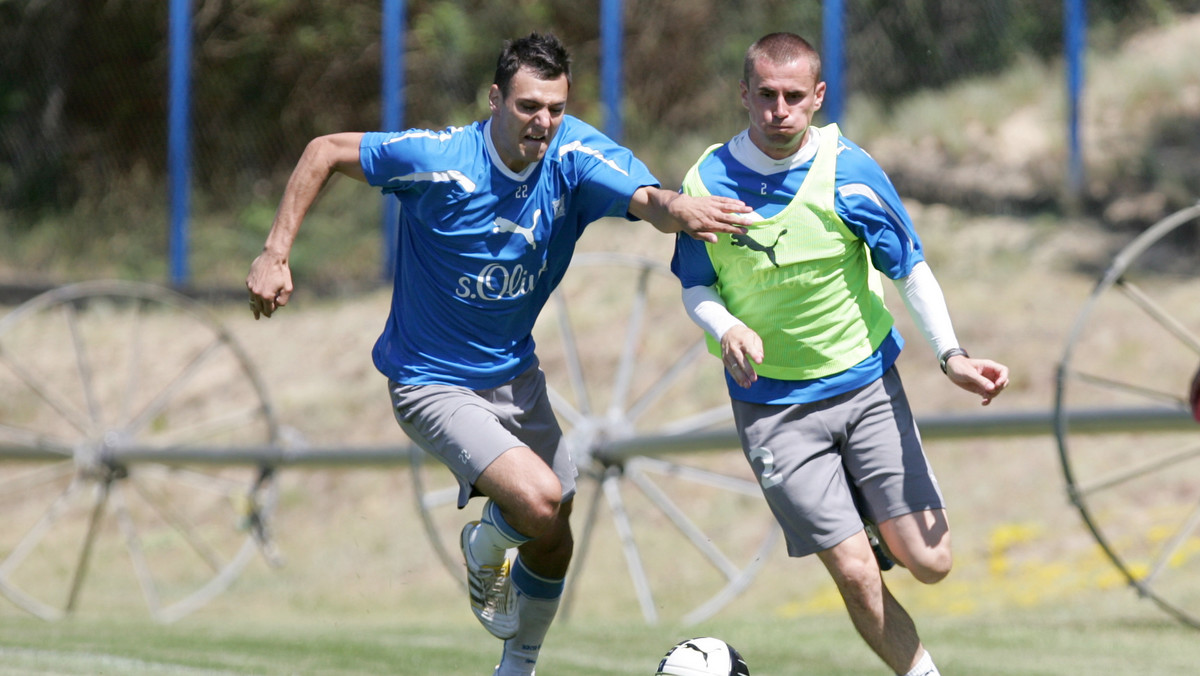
x,y
927,306
708,311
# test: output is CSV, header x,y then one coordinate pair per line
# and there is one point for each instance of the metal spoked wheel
x,y
101,383
642,408
1130,449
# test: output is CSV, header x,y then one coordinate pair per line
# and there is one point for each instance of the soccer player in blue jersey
x,y
489,217
794,308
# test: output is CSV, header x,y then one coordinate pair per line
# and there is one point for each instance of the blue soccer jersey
x,y
866,202
480,248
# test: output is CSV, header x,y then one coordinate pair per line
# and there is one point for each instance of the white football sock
x,y
924,667
493,537
537,603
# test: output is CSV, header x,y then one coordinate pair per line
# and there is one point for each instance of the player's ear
x,y
494,98
819,94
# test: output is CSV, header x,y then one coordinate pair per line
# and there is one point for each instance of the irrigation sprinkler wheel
x,y
627,370
99,383
1135,347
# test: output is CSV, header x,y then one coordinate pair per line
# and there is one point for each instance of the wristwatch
x,y
952,352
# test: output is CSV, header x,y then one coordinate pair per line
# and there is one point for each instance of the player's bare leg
x,y
921,543
523,506
885,626
539,574
549,554
525,489
519,479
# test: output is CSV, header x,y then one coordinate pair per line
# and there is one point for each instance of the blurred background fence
x,y
85,94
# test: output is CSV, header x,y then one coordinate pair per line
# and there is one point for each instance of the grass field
x,y
1093,633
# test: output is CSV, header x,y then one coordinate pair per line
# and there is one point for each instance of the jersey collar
x,y
744,151
499,164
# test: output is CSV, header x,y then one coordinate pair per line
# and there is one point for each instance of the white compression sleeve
x,y
707,309
923,296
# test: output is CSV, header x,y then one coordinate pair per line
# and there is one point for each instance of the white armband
x,y
708,311
927,306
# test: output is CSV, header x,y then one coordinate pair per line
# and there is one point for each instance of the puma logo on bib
x,y
753,245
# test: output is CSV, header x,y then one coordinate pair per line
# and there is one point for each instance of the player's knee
x,y
543,513
856,577
931,566
542,501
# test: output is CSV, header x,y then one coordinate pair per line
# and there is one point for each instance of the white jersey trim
x,y
438,177
743,150
577,146
494,156
424,133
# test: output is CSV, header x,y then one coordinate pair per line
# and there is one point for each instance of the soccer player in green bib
x,y
794,308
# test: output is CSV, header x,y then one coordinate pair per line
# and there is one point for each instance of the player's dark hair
x,y
781,48
542,53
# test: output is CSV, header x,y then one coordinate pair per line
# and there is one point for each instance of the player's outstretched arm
x,y
270,278
699,217
981,376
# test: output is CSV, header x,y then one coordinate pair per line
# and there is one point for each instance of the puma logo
x,y
746,241
504,225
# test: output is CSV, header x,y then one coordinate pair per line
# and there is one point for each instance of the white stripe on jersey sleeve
x,y
577,146
425,133
437,177
864,190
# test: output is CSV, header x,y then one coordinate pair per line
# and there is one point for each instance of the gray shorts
x,y
827,465
468,429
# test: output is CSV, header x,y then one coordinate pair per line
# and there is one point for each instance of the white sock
x,y
493,537
924,667
537,603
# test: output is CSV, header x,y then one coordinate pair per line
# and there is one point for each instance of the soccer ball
x,y
704,656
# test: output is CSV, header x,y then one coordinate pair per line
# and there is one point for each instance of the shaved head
x,y
781,48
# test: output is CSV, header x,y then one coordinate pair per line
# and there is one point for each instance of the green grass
x,y
1102,633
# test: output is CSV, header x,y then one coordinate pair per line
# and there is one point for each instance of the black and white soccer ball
x,y
703,656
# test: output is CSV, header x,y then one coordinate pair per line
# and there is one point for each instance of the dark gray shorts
x,y
468,429
827,465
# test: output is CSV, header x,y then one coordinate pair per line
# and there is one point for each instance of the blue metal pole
x,y
833,28
392,54
179,144
611,39
1076,48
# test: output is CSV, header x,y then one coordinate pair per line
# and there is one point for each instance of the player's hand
x,y
269,284
741,349
981,376
702,217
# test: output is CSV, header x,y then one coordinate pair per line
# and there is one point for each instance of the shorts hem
x,y
904,510
823,544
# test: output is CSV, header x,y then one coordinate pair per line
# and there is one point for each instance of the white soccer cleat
x,y
490,587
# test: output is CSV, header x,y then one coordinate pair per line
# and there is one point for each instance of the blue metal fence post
x,y
611,39
1076,47
832,27
392,70
179,143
